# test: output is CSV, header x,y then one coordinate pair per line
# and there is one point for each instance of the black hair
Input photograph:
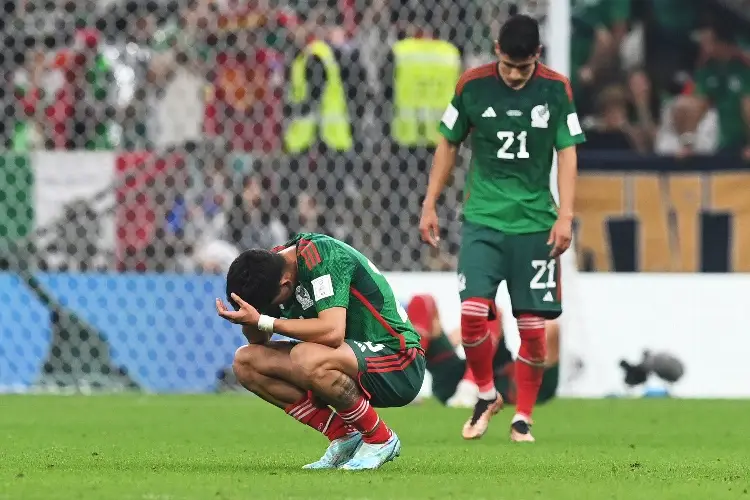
x,y
519,37
254,276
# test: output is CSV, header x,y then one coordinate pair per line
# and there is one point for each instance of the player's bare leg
x,y
267,370
331,374
479,349
529,370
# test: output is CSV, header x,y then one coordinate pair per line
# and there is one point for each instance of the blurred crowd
x,y
219,82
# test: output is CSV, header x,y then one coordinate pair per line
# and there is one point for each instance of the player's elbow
x,y
334,338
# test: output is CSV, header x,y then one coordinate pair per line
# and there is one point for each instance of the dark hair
x,y
254,276
519,37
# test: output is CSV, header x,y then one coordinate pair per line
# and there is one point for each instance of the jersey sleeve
x,y
455,125
569,132
329,271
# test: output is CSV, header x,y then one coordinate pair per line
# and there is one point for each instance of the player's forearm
x,y
442,166
567,171
254,336
314,330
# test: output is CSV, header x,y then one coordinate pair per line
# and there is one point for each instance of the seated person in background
x,y
452,380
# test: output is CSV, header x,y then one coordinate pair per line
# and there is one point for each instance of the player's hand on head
x,y
245,315
560,236
429,226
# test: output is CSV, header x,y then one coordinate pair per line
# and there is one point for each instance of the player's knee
x,y
245,363
474,319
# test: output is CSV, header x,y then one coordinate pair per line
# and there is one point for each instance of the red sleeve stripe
x,y
308,251
474,74
548,74
379,317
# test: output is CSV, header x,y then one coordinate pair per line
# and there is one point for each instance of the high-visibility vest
x,y
425,76
331,119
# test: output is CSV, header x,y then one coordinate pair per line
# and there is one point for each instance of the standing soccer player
x,y
518,113
358,349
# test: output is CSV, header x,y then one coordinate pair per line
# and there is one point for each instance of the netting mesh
x,y
144,148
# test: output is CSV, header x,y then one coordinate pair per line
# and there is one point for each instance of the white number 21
x,y
541,267
509,138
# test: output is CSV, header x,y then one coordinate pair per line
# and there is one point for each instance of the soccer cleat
x,y
484,410
520,432
372,456
339,452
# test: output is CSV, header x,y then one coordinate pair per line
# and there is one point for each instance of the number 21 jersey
x,y
514,134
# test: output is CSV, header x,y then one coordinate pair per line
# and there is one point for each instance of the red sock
x,y
323,419
496,336
529,367
477,341
365,419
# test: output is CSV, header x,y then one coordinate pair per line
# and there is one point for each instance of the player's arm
x,y
255,336
568,135
330,276
567,172
327,329
454,127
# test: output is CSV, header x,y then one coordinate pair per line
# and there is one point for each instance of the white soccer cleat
x,y
373,456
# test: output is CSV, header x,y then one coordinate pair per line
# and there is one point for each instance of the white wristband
x,y
265,323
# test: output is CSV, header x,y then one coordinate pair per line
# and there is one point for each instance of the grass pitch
x,y
236,447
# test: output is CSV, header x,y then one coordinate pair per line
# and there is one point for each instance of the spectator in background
x,y
244,107
678,113
723,81
645,110
598,27
669,47
179,55
251,222
611,130
80,114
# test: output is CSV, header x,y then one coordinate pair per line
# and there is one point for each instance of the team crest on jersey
x,y
303,297
540,116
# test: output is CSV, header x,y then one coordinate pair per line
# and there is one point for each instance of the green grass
x,y
222,447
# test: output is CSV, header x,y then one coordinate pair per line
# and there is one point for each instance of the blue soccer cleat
x,y
372,456
338,453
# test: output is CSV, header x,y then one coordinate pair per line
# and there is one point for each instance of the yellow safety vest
x,y
332,115
425,76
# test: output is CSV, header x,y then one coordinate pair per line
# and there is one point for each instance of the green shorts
x,y
388,377
488,257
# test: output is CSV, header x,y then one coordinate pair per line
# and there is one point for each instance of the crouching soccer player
x,y
358,348
453,383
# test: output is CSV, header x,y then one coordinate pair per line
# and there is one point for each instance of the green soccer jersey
x,y
513,137
330,273
726,84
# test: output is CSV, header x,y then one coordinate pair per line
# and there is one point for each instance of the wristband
x,y
265,323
